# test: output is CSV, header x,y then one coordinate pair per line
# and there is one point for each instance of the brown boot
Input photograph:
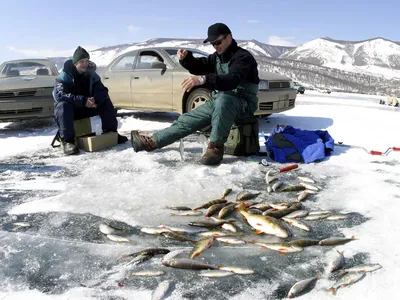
x,y
142,142
213,154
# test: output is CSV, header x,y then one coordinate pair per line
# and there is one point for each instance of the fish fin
x,y
333,290
354,238
340,252
282,252
124,229
223,197
258,231
172,214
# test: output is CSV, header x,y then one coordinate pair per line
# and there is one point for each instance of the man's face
x,y
222,43
82,65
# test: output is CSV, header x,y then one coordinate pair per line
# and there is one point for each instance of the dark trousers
x,y
65,114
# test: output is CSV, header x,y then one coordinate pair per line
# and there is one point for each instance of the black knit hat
x,y
215,30
79,54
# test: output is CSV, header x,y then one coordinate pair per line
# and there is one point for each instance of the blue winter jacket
x,y
289,144
66,90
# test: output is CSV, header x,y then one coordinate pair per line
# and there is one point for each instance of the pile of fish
x,y
220,223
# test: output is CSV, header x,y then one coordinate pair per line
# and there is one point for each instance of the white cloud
x,y
253,21
281,40
48,52
132,28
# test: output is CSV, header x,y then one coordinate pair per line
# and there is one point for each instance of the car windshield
x,y
25,68
174,57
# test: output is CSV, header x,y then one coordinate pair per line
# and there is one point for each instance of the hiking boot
x,y
142,142
213,154
122,139
70,148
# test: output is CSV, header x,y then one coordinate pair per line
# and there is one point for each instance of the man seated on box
x,y
79,93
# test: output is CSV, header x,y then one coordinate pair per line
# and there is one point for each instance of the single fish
x,y
293,188
175,253
21,224
187,213
186,263
183,228
216,273
255,211
337,217
118,239
297,214
230,227
306,179
212,202
319,212
309,186
237,270
227,210
362,268
176,236
230,240
107,229
161,291
266,224
283,212
244,195
315,217
346,280
304,242
279,206
214,209
334,241
200,246
178,207
261,206
150,251
269,189
303,196
267,176
226,193
209,223
338,263
303,286
150,230
147,273
282,248
216,233
297,223
276,185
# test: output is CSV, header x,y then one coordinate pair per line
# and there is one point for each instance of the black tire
x,y
197,98
302,92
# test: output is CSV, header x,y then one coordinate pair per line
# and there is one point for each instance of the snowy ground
x,y
64,256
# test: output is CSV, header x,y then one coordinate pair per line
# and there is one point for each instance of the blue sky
x,y
55,28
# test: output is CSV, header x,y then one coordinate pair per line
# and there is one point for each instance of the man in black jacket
x,y
231,72
79,93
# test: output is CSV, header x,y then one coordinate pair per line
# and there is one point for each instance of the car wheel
x,y
197,98
302,92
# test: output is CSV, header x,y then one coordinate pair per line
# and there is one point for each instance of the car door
x,y
117,78
151,84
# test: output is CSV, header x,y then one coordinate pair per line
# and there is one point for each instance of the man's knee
x,y
62,108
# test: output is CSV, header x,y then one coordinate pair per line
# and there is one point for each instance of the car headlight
x,y
263,85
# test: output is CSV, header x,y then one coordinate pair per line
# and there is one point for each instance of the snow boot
x,y
122,139
70,148
142,142
213,155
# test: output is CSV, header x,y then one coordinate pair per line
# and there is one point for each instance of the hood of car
x,y
26,82
263,75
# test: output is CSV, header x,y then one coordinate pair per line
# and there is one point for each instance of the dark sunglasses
x,y
218,42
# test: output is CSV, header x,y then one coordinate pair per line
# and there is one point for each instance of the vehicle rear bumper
x,y
276,101
22,109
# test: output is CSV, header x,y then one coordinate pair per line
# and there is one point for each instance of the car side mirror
x,y
158,65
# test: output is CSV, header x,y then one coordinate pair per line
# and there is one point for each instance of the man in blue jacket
x,y
79,93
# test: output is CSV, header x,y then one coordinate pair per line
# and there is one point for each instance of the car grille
x,y
29,93
20,111
291,102
266,106
273,85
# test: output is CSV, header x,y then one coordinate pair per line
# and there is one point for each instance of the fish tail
x,y
354,238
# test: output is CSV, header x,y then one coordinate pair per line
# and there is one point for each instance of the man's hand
x,y
190,83
181,53
90,103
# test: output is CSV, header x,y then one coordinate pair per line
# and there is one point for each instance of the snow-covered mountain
x,y
105,55
375,56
